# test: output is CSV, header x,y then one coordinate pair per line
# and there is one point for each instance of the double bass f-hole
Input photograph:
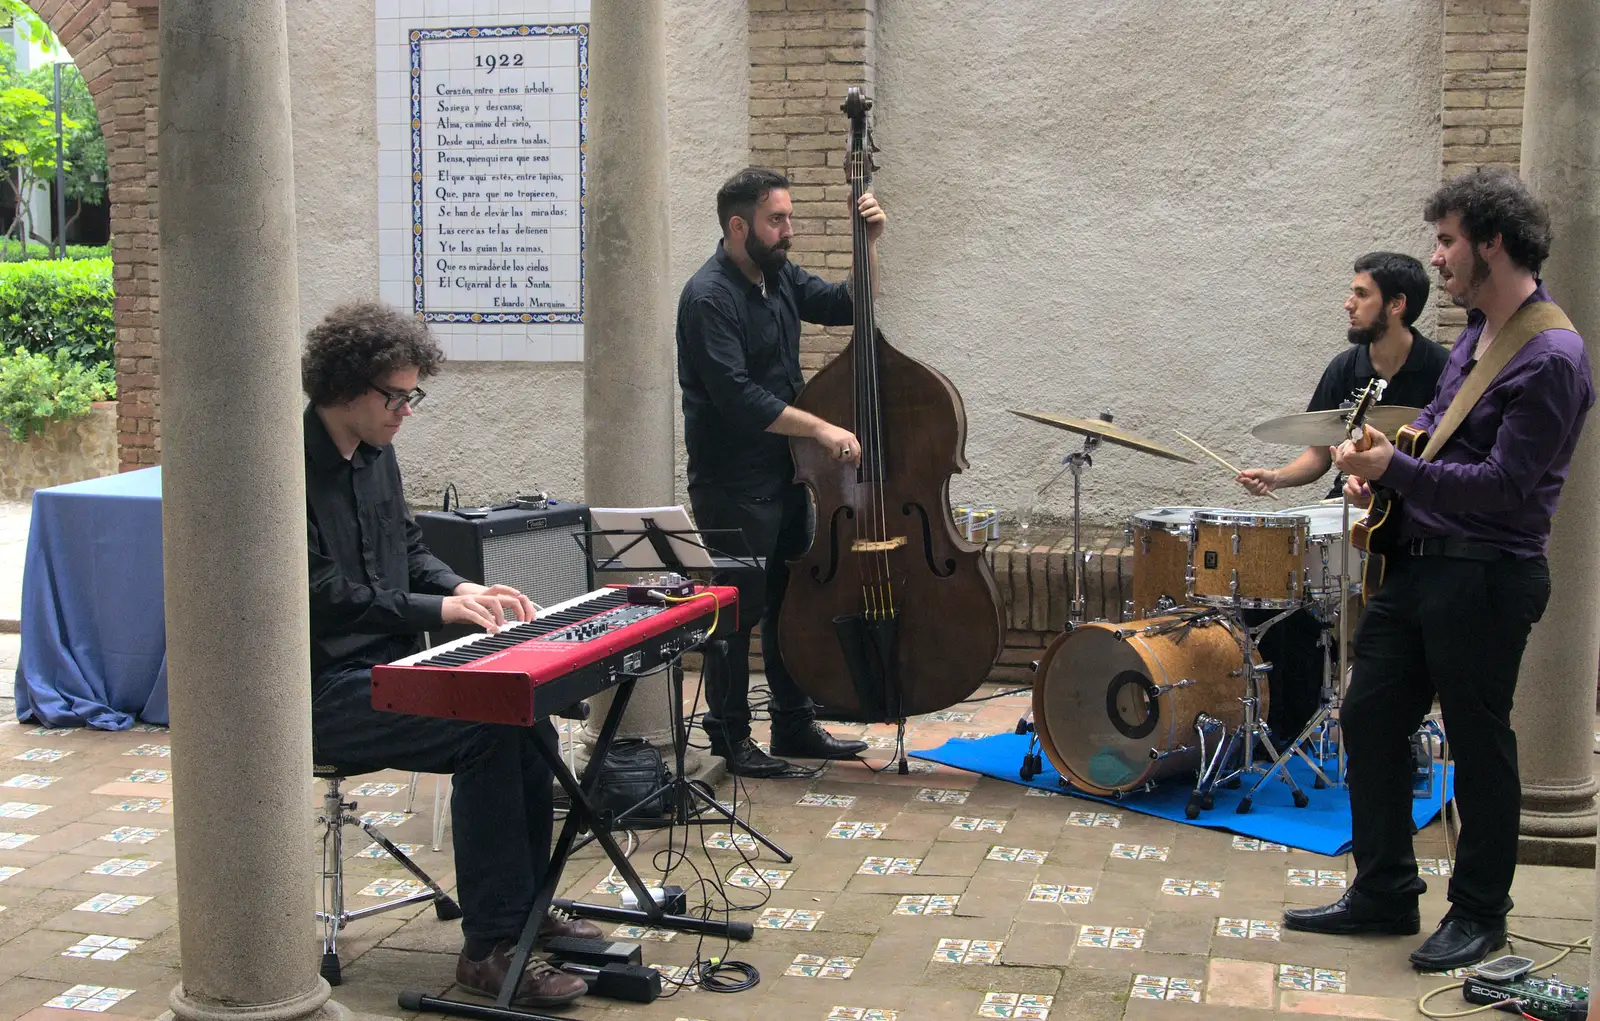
x,y
943,570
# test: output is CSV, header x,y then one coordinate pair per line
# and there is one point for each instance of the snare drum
x,y
1248,560
1328,543
1159,538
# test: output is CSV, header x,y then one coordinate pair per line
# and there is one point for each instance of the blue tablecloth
x,y
94,640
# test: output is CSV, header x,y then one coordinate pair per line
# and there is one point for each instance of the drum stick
x,y
1215,458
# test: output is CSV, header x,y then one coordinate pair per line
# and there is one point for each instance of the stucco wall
x,y
1149,208
492,428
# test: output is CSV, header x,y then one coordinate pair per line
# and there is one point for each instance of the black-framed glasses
x,y
393,401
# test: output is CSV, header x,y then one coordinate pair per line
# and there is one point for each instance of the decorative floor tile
x,y
7,871
141,805
376,790
817,966
877,866
375,850
827,800
132,835
159,751
122,867
391,888
942,796
1321,980
1021,855
96,999
20,810
1248,928
862,1014
1109,937
11,841
973,735
967,951
52,731
1452,973
928,904
1160,987
102,948
1139,852
111,903
1433,866
750,879
1039,792
731,842
968,824
952,716
644,932
29,781
42,755
1112,820
1317,877
147,728
680,979
857,830
609,885
385,818
788,918
1192,887
147,776
919,766
1016,1005
881,742
1054,893
1252,844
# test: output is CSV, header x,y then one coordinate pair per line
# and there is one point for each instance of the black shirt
x,y
739,367
375,588
1351,370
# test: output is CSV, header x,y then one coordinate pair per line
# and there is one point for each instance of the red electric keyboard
x,y
569,652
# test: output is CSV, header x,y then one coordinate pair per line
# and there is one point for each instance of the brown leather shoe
x,y
541,986
559,923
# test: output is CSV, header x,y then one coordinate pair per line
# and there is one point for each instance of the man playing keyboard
x,y
375,589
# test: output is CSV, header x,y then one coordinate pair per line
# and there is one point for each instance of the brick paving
x,y
938,894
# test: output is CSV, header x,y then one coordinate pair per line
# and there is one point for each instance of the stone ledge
x,y
1571,852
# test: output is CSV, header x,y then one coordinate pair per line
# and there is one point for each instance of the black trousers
x,y
501,808
1294,687
1456,628
775,529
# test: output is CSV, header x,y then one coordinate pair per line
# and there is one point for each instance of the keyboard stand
x,y
581,814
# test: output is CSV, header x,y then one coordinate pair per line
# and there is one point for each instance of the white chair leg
x,y
411,795
440,807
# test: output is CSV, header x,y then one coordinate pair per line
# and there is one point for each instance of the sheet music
x,y
642,557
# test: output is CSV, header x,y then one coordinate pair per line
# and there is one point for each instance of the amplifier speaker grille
x,y
547,565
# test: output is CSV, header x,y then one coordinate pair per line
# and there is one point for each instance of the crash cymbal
x,y
1326,428
1104,430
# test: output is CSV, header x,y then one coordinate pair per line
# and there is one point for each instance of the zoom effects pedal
x,y
1506,984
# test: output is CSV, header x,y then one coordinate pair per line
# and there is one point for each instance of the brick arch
x,y
115,45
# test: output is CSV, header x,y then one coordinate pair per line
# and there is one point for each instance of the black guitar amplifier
x,y
535,551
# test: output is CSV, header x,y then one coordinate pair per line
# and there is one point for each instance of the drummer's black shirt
x,y
1351,370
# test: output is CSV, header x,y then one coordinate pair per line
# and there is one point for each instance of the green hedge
x,y
60,305
37,388
10,251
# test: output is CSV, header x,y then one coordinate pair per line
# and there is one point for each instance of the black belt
x,y
1459,549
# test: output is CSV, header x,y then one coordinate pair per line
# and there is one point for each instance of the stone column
x,y
1556,695
233,518
628,359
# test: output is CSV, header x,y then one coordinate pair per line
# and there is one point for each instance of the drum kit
x,y
1176,688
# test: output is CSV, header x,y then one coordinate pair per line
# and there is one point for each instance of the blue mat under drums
x,y
1323,826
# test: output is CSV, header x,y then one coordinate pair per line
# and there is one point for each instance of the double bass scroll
x,y
891,612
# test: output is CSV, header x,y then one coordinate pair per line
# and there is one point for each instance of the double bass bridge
x,y
877,545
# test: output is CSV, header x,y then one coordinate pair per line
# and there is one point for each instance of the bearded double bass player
x,y
738,340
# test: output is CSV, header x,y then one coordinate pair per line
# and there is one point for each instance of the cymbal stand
x,y
1077,463
1253,728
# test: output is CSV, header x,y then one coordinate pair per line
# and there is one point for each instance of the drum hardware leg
x,y
1210,769
1281,759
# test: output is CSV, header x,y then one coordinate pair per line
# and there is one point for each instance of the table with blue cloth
x,y
94,639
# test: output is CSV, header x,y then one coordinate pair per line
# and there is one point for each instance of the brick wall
x,y
1485,64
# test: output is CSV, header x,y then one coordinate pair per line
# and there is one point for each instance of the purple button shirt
x,y
1498,478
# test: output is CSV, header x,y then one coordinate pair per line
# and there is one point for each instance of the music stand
x,y
667,549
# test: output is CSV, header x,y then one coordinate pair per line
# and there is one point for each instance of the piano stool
x,y
338,813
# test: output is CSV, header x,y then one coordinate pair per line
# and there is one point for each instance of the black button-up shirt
x,y
739,367
375,588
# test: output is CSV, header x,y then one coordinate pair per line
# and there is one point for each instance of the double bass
x,y
891,612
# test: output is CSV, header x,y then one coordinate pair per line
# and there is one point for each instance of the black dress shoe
x,y
812,741
1353,913
747,759
1458,942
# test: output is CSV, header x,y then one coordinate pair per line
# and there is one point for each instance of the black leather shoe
x,y
1458,942
1353,913
747,759
812,741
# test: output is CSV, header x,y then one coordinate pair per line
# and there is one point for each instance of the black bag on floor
x,y
632,777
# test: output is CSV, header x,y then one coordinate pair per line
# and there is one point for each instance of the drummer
x,y
1387,293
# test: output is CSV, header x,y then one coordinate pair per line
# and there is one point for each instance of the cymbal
x,y
1326,428
1104,430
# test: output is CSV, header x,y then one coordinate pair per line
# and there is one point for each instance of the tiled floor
x,y
927,896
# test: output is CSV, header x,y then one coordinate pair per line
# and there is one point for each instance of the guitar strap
x,y
1527,322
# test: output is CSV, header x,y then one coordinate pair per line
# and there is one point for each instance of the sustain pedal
x,y
595,952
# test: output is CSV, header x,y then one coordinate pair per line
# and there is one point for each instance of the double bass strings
x,y
879,594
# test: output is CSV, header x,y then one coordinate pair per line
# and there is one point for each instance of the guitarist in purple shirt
x,y
1464,575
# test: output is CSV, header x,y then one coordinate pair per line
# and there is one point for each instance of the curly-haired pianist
x,y
375,589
